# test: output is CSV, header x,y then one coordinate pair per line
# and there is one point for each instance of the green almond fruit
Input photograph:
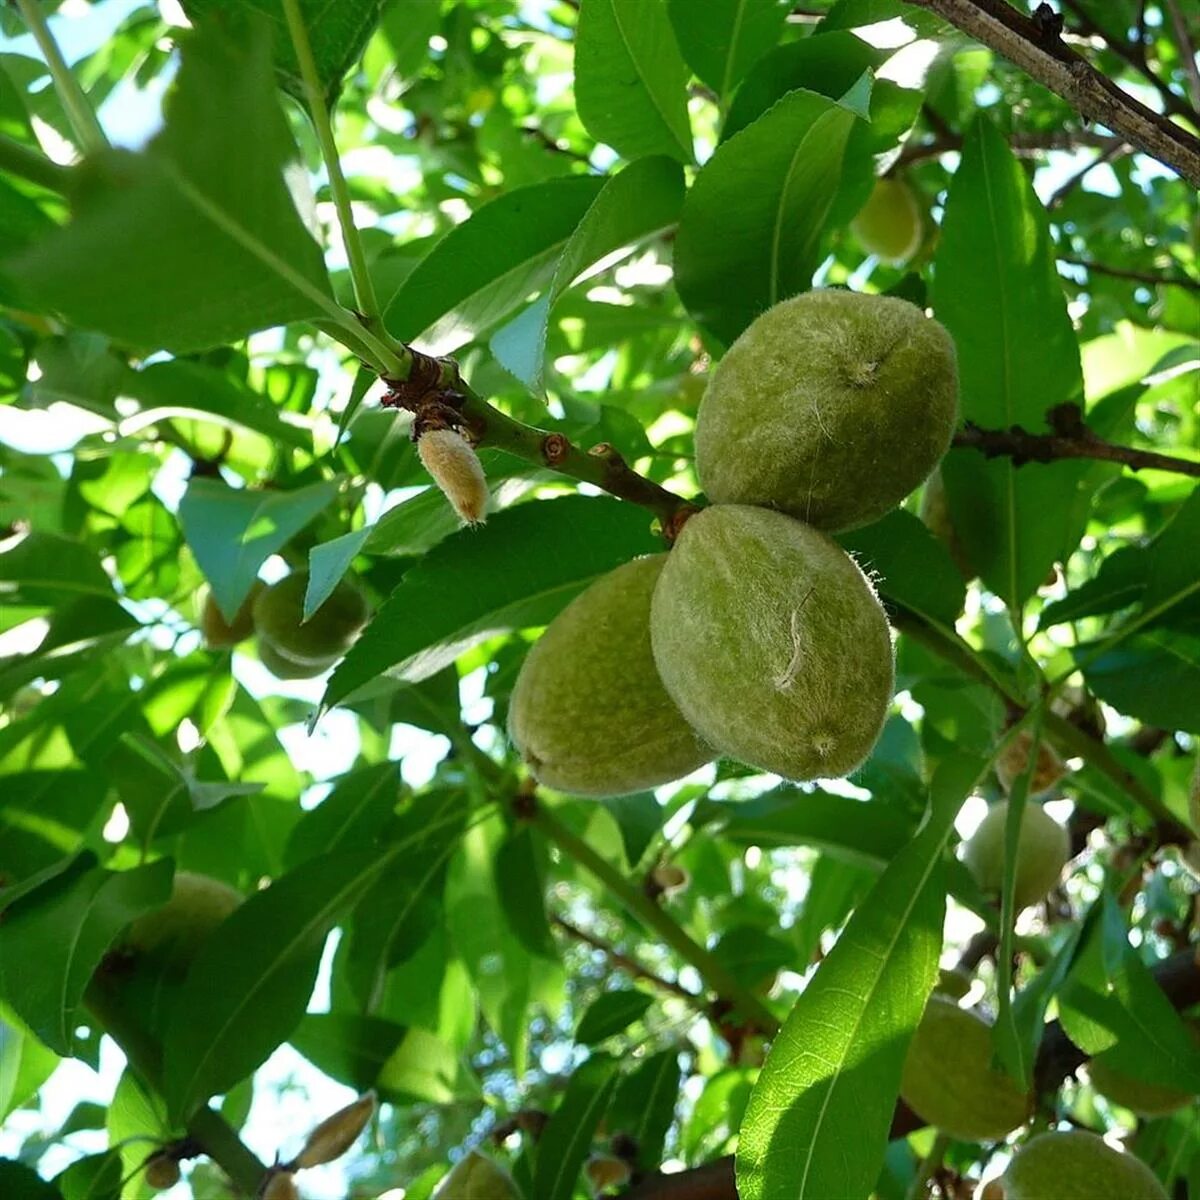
x,y
283,667
1043,848
327,634
832,407
220,634
174,933
1077,1166
477,1177
889,225
949,1081
772,643
589,713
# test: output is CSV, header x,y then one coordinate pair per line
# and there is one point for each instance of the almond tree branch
x,y
1074,441
1021,143
1146,277
1046,58
1187,50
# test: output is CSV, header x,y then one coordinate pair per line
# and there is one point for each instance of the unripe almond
x,y
325,635
1013,762
772,643
174,933
477,1177
589,713
336,1134
889,224
220,634
831,406
281,1186
456,469
1043,847
162,1172
1077,1166
949,1080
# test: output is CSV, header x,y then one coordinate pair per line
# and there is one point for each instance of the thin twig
x,y
1105,155
1024,447
1146,277
1054,64
1187,51
629,965
947,140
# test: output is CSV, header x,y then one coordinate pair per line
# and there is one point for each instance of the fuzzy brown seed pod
x,y
456,469
162,1172
335,1135
281,1186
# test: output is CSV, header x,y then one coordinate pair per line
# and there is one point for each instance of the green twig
x,y
364,288
720,980
25,163
84,122
928,1167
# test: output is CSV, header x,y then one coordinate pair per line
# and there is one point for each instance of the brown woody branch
x,y
1147,277
1045,57
1058,1057
946,140
1070,438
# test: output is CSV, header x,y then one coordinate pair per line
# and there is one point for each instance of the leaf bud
x,y
456,469
336,1134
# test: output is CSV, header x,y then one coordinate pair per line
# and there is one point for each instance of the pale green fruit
x,y
831,406
477,1178
889,224
1077,1166
589,713
327,634
935,512
949,1080
1043,847
283,667
173,934
220,634
772,643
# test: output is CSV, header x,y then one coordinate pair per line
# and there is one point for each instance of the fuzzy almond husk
x,y
1043,847
456,469
1076,1165
336,1134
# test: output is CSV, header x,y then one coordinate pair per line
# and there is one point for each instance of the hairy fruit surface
x,y
1043,847
456,469
589,713
772,643
327,634
831,406
949,1080
1077,1166
889,224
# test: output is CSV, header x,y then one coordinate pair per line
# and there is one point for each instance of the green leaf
x,y
828,65
351,817
631,80
642,200
19,1182
518,571
1017,358
1153,676
232,531
1174,565
328,563
196,241
864,833
25,1064
565,1141
337,33
610,1013
639,817
817,1124
43,569
249,985
96,1177
909,566
486,267
53,939
1119,583
644,1105
722,39
521,864
779,175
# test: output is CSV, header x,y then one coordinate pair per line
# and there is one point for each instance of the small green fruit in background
x,y
327,634
889,225
589,713
772,643
1043,848
949,1081
283,667
1077,1166
220,634
1013,761
831,406
935,512
477,1178
173,934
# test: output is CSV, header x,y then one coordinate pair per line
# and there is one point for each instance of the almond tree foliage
x,y
544,223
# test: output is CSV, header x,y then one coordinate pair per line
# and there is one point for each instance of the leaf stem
x,y
88,131
364,287
928,1167
720,980
29,164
